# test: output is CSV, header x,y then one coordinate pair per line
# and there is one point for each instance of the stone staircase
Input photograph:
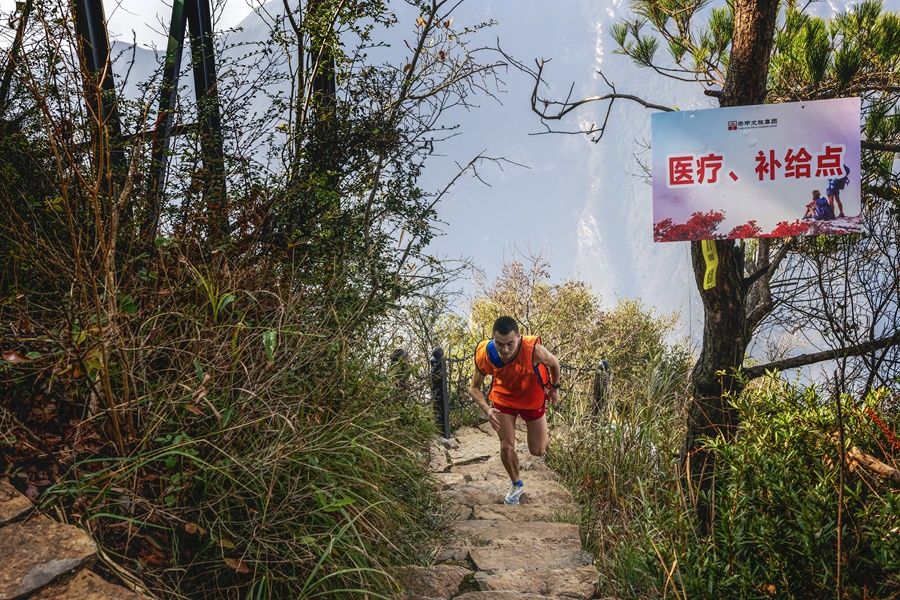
x,y
45,560
494,551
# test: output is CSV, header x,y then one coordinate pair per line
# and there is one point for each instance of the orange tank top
x,y
517,384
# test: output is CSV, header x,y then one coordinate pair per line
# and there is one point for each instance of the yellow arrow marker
x,y
711,256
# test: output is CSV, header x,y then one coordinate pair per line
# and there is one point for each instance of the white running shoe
x,y
515,492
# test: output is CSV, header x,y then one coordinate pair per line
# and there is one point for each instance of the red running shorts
x,y
528,415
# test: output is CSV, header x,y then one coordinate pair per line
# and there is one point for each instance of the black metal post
x,y
168,96
13,55
439,391
100,89
600,387
203,63
193,16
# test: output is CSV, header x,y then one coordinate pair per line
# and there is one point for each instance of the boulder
x,y
85,586
38,551
578,582
439,581
12,503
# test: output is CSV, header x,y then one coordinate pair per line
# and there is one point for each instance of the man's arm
x,y
478,396
542,355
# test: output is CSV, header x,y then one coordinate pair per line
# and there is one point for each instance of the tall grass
x,y
271,456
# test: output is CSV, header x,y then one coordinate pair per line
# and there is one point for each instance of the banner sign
x,y
771,170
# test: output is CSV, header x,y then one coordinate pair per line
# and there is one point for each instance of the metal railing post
x,y
439,391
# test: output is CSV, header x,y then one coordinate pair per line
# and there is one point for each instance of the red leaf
x,y
13,357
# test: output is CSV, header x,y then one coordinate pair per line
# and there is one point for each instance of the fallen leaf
x,y
236,564
226,543
13,357
193,528
151,557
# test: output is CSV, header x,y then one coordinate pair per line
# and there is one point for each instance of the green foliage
x,y
775,532
234,431
572,324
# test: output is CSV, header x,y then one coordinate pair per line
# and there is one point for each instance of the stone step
x,y
577,582
491,492
437,582
85,586
563,513
547,555
12,504
438,462
486,532
39,551
499,596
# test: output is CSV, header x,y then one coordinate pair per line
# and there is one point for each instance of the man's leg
x,y
837,199
538,436
507,435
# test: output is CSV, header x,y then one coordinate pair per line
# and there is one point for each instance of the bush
x,y
266,458
777,493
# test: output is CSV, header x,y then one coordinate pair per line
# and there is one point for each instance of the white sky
x,y
140,19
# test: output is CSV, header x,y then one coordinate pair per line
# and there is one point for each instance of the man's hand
x,y
492,417
553,395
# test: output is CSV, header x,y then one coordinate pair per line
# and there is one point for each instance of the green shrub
x,y
777,493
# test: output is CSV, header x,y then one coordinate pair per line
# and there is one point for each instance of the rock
x,y
12,503
448,480
556,555
439,581
527,512
452,554
438,462
499,596
85,586
39,551
476,493
572,583
458,512
527,533
492,492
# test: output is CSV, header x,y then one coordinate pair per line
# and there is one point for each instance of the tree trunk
x,y
725,336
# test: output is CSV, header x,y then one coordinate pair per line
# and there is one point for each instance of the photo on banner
x,y
771,170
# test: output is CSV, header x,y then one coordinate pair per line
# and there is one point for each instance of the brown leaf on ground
x,y
237,564
13,357
193,528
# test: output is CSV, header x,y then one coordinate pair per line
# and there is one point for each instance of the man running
x,y
519,367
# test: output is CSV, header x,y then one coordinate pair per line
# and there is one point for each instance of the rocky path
x,y
499,552
45,560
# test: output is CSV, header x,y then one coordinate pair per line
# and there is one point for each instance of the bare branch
x,y
556,110
815,357
881,146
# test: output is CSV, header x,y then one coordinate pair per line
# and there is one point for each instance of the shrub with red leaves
x,y
747,230
790,229
701,226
